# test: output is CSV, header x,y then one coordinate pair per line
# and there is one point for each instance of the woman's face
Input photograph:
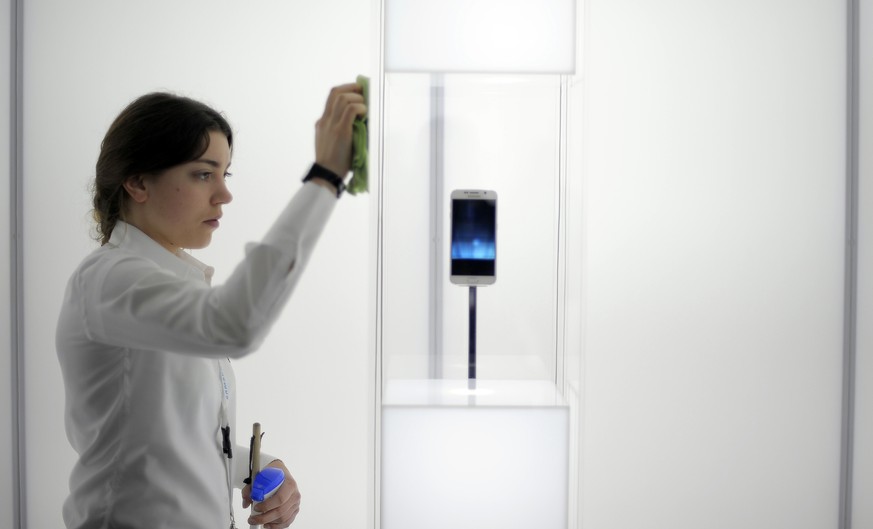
x,y
180,207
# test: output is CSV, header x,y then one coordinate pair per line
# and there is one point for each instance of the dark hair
x,y
155,132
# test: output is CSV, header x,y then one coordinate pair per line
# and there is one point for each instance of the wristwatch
x,y
318,171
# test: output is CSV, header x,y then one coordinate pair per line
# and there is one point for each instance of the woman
x,y
144,341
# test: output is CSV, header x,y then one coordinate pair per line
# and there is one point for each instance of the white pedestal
x,y
474,455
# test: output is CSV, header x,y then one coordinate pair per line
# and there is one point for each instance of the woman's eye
x,y
227,175
204,176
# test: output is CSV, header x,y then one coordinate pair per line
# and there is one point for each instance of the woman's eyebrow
x,y
208,161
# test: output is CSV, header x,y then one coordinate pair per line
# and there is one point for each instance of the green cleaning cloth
x,y
359,181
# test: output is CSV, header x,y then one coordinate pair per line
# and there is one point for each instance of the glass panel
x,y
500,133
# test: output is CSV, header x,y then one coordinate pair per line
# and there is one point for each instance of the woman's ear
x,y
136,188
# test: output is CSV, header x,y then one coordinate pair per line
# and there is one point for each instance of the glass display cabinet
x,y
473,96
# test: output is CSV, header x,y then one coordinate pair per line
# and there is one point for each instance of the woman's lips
x,y
213,223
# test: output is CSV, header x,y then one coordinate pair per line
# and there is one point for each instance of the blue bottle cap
x,y
266,482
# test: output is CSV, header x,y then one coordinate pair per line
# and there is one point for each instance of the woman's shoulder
x,y
109,258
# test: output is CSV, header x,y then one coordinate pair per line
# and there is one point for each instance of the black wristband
x,y
317,171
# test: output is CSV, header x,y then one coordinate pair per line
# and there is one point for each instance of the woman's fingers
x,y
333,131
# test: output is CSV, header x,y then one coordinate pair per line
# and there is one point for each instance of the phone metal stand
x,y
471,357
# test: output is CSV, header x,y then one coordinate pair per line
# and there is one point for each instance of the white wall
x,y
714,221
7,457
269,68
863,469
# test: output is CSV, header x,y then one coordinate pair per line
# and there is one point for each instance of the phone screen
x,y
474,238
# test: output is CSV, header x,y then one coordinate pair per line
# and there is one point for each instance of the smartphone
x,y
474,237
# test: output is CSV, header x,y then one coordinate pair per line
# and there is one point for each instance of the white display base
x,y
474,454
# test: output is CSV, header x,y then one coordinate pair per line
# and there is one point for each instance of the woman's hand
x,y
333,132
279,510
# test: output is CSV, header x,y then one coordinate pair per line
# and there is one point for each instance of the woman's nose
x,y
223,194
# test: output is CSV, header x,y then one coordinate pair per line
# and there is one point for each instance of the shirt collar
x,y
129,237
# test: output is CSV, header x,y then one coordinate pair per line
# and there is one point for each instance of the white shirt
x,y
143,341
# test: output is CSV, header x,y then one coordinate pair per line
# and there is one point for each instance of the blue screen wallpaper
x,y
473,230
